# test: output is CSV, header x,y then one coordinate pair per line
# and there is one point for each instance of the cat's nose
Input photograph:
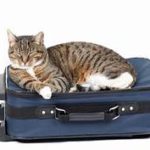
x,y
24,63
25,60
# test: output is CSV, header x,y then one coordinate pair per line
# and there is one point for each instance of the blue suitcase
x,y
105,114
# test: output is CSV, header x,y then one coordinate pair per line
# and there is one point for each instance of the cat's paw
x,y
73,89
46,92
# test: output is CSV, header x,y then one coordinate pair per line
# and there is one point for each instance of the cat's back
x,y
78,46
77,50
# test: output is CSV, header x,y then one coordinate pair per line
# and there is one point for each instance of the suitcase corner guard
x,y
2,119
3,135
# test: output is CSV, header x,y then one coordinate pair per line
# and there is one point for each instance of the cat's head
x,y
26,51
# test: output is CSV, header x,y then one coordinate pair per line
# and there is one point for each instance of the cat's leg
x,y
57,84
124,81
80,87
25,80
87,86
73,89
99,81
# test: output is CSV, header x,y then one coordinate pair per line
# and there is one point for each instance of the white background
x,y
123,25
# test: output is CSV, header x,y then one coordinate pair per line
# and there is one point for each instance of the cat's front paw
x,y
46,92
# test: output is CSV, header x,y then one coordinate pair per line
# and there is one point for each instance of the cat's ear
x,y
39,38
12,39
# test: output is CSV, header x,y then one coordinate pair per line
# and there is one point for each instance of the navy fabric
x,y
50,128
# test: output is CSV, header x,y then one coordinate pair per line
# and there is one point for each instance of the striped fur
x,y
63,66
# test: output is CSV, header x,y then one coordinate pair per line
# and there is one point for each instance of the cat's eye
x,y
18,55
37,57
11,52
12,56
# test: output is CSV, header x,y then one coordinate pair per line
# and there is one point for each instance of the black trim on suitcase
x,y
29,94
2,121
86,112
65,113
2,106
3,134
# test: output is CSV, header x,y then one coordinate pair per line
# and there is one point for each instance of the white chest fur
x,y
31,72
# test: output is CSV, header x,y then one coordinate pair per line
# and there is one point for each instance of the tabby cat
x,y
64,67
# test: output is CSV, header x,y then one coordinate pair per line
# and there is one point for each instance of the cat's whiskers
x,y
17,66
29,69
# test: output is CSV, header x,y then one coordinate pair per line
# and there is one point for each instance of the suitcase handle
x,y
111,114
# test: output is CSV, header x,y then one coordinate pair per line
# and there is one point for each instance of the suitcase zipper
x,y
77,94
